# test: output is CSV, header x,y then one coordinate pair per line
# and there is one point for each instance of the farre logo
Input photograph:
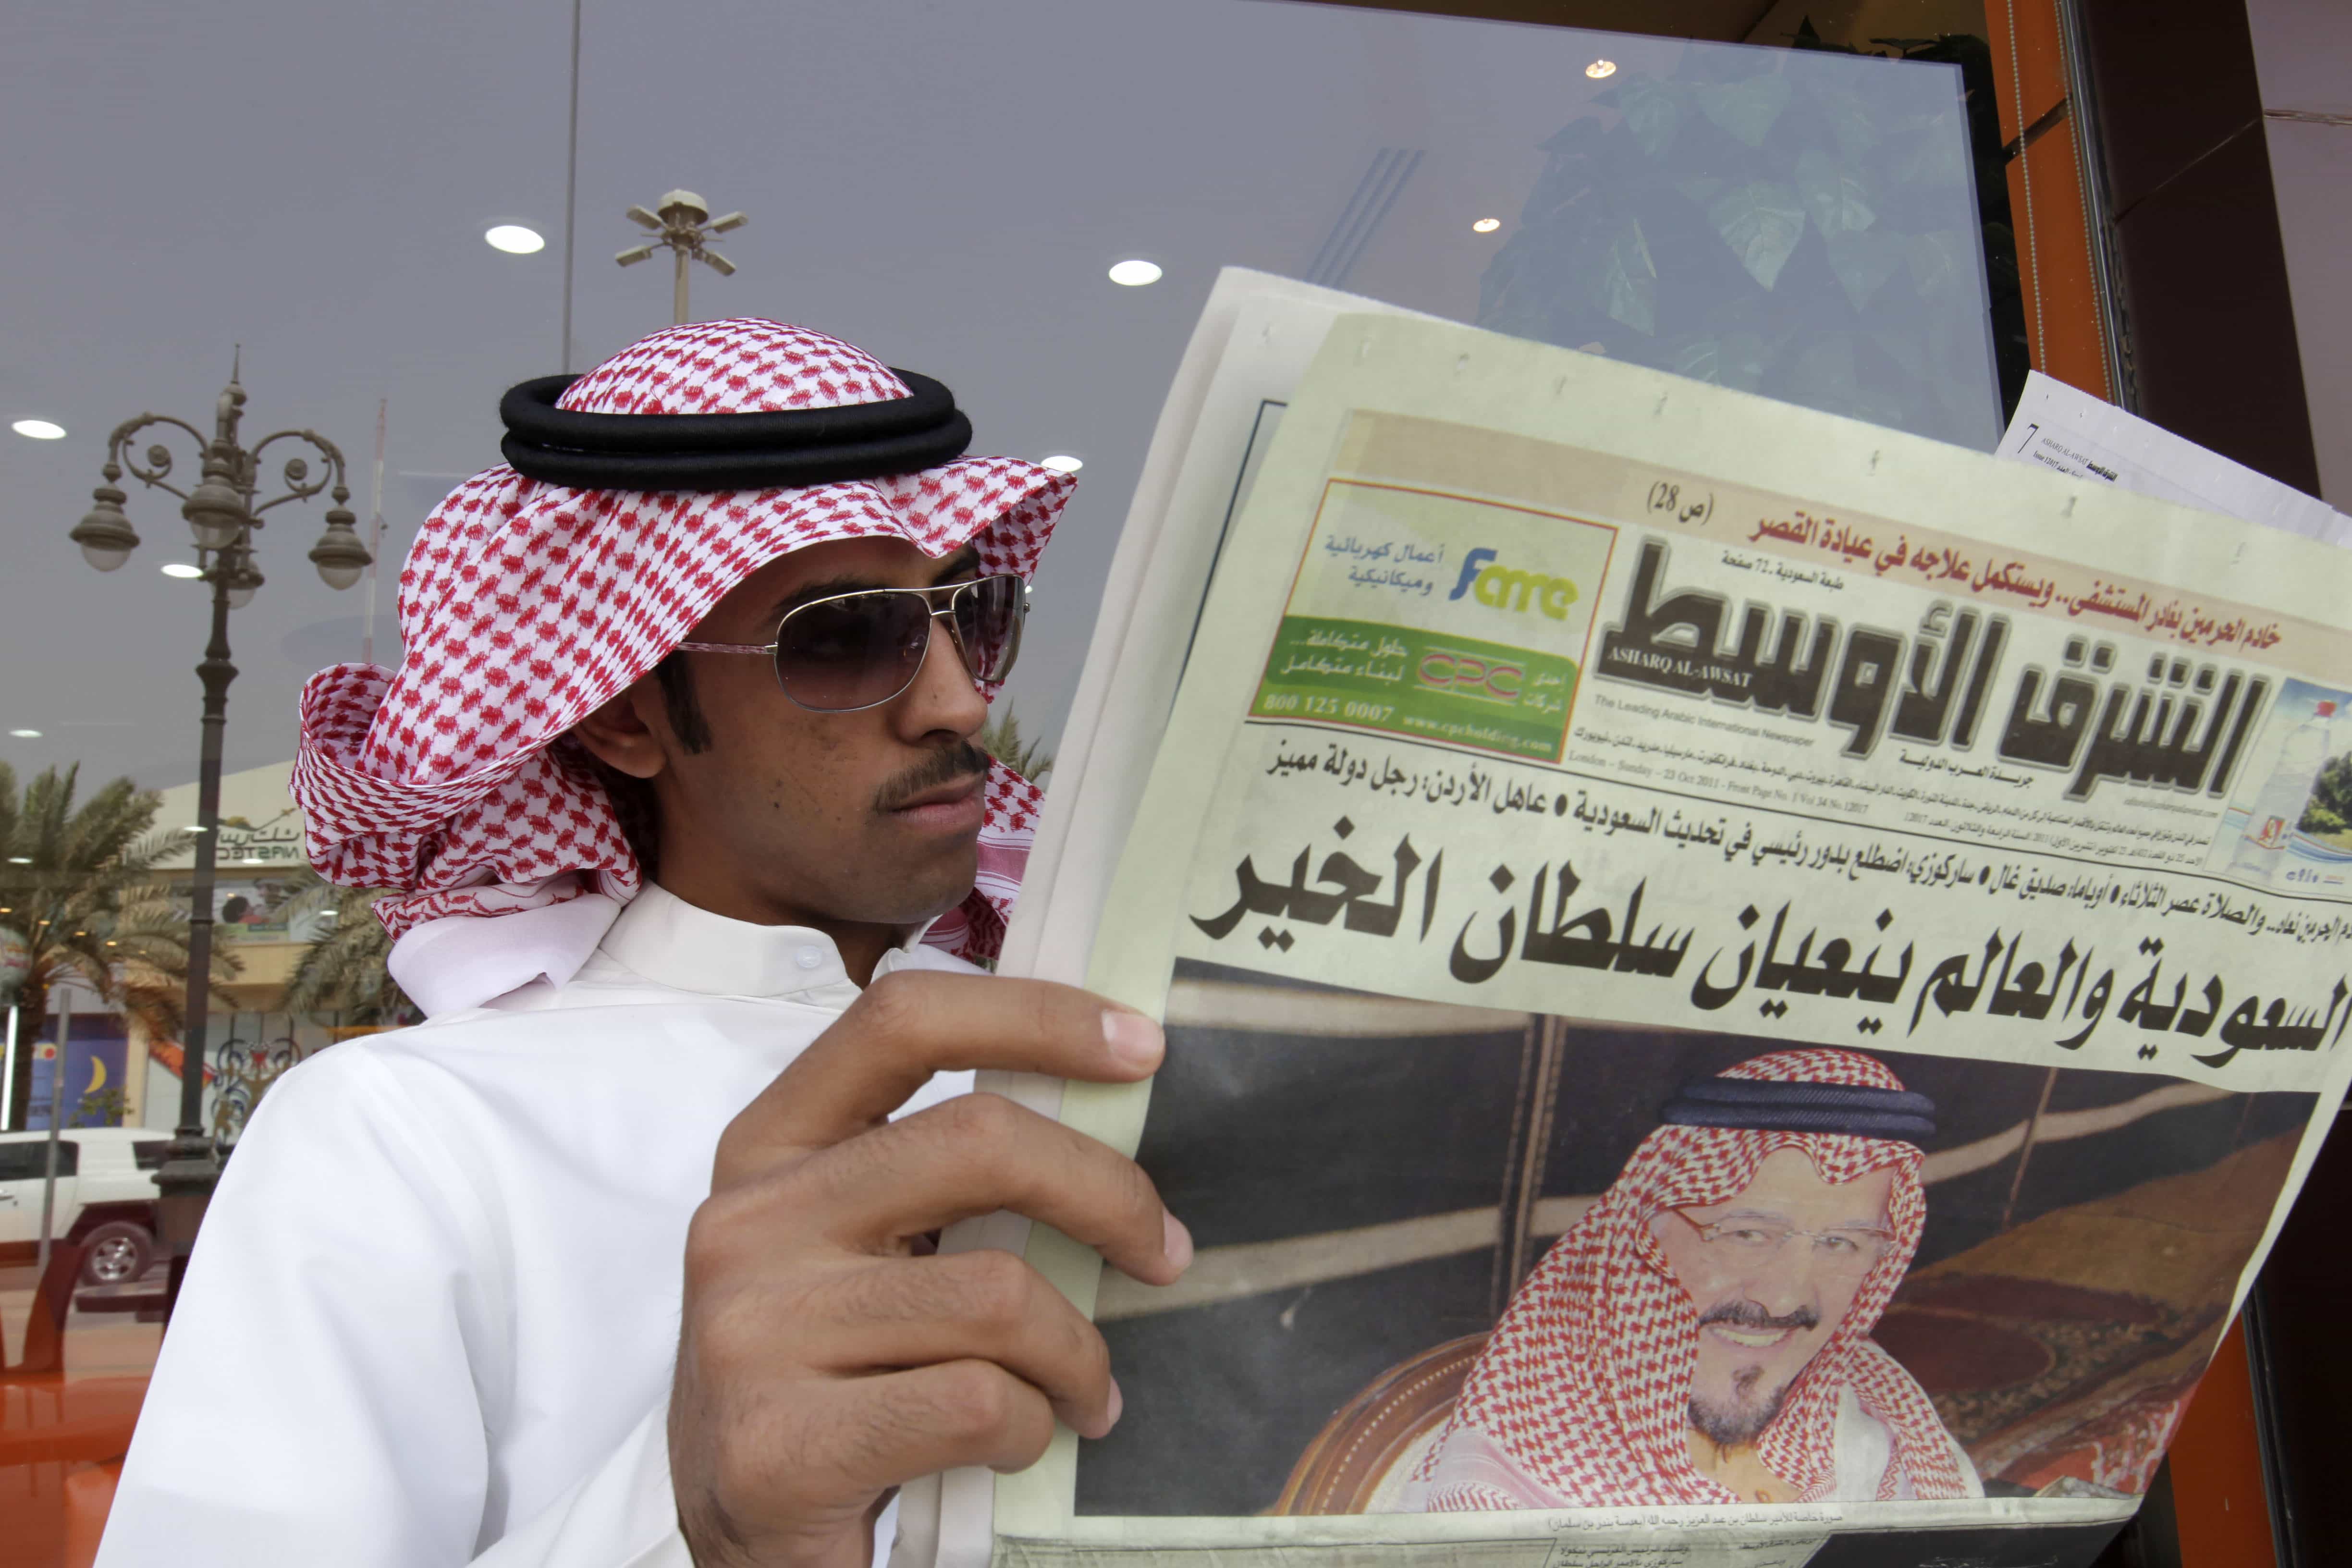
x,y
1508,588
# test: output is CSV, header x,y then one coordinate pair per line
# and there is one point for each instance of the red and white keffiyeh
x,y
524,607
1585,1386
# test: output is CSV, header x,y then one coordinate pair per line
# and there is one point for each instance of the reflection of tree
x,y
77,883
1001,739
342,969
101,1108
2329,810
1777,227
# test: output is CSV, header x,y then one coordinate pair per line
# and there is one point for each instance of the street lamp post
x,y
223,516
683,223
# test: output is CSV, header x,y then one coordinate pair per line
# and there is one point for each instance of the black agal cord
x,y
1783,1106
730,451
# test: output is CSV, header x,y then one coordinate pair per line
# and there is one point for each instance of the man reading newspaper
x,y
1701,1334
618,1260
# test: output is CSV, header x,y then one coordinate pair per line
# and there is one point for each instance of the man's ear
x,y
630,732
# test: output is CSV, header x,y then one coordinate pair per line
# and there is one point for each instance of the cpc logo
x,y
1508,588
1441,669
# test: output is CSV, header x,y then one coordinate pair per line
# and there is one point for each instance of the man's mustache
x,y
1749,1316
960,760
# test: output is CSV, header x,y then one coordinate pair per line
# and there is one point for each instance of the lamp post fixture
x,y
683,223
223,516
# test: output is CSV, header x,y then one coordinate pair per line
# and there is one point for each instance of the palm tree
x,y
1001,739
77,883
343,971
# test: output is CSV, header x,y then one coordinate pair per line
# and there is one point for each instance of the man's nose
x,y
1786,1280
944,696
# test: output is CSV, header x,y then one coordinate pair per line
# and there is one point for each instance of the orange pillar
x,y
2217,1497
2045,195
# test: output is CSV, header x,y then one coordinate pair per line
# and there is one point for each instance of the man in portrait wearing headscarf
x,y
1702,1333
620,1257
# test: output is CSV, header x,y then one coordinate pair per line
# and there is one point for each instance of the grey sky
x,y
944,183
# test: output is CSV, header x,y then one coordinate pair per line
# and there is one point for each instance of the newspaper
x,y
2063,429
1736,981
1255,339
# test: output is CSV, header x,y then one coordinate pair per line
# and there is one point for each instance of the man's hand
x,y
822,1359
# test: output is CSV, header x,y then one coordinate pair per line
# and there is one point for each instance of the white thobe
x,y
433,1311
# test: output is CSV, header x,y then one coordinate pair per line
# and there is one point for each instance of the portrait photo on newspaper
x,y
1456,1258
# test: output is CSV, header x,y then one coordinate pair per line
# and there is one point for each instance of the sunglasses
x,y
850,651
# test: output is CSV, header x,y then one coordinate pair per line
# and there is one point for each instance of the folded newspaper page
x,y
1742,987
2065,428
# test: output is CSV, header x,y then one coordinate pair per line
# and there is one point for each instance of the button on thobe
x,y
434,1310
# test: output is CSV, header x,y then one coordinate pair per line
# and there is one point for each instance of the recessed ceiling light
x,y
39,430
1486,226
1062,462
1600,68
515,240
26,734
181,569
1135,274
22,860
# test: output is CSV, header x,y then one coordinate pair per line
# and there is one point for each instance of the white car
x,y
106,1197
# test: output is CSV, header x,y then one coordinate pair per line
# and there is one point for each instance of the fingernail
x,y
1134,1038
1176,1241
1118,1404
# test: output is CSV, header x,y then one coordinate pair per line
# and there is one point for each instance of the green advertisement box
x,y
1426,685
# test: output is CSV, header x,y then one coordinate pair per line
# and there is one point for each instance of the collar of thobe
x,y
672,942
459,962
